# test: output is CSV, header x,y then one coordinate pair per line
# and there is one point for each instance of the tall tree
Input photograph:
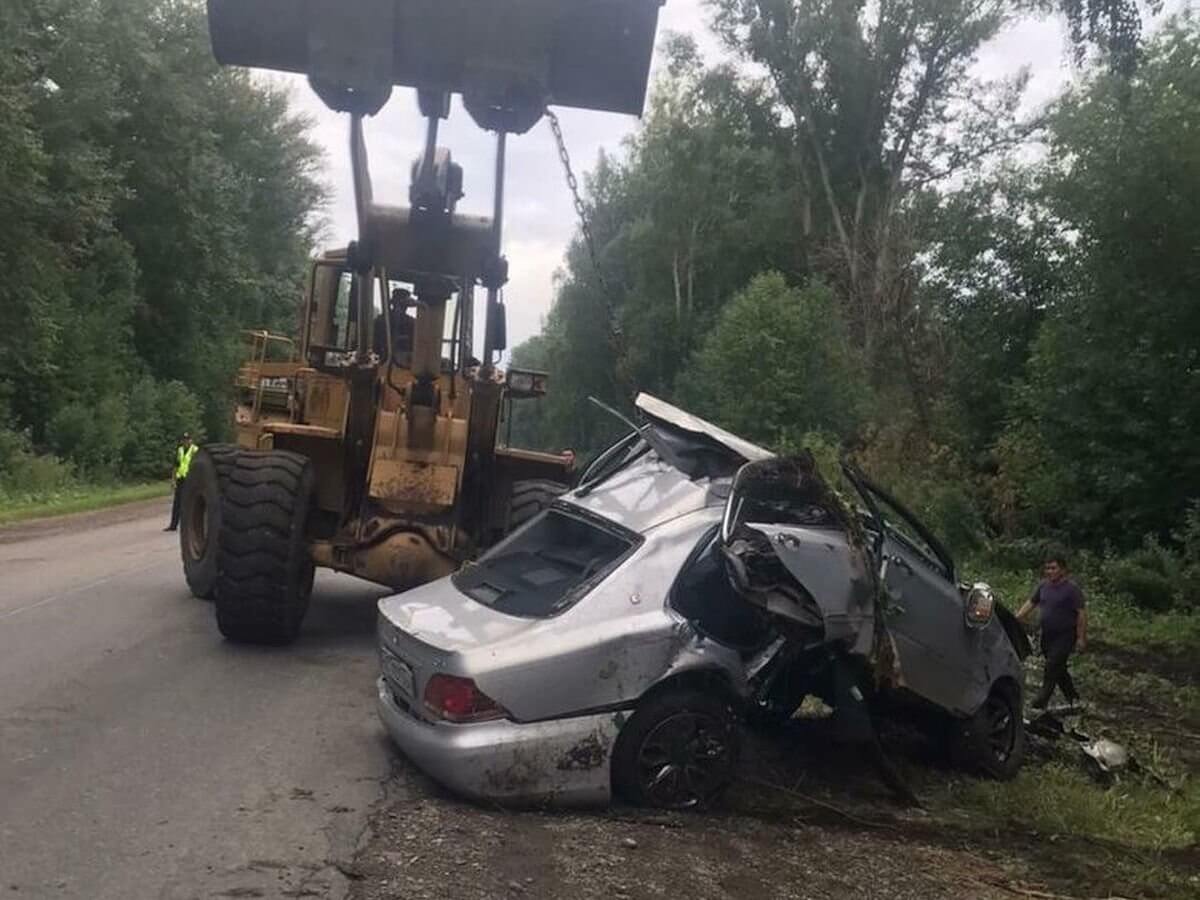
x,y
996,261
882,104
1102,441
792,340
152,204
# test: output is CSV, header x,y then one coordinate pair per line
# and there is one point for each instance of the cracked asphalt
x,y
141,756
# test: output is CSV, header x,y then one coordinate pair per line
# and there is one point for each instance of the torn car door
x,y
925,614
792,549
926,619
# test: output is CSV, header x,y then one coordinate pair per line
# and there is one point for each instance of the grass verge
x,y
81,499
1139,836
1081,838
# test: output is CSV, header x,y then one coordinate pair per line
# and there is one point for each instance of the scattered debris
x,y
1103,758
1109,756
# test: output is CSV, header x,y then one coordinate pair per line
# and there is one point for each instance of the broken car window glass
x,y
901,527
545,567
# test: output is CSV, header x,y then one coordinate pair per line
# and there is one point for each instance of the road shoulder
x,y
72,522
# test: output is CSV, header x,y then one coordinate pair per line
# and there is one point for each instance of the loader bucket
x,y
589,54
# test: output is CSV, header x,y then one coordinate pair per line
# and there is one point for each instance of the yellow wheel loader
x,y
371,445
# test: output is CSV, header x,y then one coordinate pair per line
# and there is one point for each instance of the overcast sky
x,y
539,218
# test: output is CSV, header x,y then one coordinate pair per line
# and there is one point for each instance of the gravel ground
x,y
759,843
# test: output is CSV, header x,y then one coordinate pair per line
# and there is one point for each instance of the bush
x,y
26,475
1188,538
129,437
930,479
92,436
159,412
14,446
1153,577
777,363
1017,553
936,491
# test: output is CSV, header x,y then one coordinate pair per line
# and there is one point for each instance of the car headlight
x,y
981,603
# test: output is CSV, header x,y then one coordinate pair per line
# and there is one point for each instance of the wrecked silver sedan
x,y
689,583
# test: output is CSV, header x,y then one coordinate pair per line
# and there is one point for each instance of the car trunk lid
x,y
437,618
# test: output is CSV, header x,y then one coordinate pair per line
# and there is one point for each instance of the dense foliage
x,y
855,241
151,206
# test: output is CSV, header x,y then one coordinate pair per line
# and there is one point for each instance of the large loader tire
x,y
200,516
529,498
265,572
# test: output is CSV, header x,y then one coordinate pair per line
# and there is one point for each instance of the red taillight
x,y
458,700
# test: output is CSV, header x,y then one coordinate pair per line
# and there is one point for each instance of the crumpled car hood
x,y
797,551
812,577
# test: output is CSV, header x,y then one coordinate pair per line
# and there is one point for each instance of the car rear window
x,y
545,567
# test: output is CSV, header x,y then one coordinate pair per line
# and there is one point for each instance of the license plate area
x,y
398,674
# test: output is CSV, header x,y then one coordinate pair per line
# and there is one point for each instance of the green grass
x,y
1116,621
78,499
1059,799
1130,838
1137,836
1171,699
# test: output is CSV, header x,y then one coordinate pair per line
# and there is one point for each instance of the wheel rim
x,y
1001,727
684,759
197,531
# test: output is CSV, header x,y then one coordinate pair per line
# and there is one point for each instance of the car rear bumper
x,y
563,761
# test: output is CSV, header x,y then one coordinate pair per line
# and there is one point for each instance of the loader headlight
x,y
524,383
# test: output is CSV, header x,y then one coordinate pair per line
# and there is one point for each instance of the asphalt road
x,y
141,756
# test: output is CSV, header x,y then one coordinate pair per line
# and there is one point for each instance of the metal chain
x,y
584,225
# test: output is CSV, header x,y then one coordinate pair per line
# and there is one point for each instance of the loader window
x,y
341,331
547,566
333,317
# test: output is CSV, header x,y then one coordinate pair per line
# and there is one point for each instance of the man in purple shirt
x,y
1064,627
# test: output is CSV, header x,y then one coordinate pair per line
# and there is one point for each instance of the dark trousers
x,y
176,501
1057,648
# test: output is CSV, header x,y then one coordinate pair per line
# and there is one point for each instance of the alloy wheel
x,y
685,759
1001,724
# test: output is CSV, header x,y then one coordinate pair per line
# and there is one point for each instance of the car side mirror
x,y
981,604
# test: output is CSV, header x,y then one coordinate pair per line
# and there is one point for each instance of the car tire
x,y
678,750
200,516
992,741
265,574
529,498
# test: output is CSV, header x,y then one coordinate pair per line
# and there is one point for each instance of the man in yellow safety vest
x,y
183,462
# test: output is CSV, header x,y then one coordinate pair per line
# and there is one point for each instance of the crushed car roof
x,y
694,446
646,493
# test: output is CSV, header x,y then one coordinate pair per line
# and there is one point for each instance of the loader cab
x,y
346,317
337,315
